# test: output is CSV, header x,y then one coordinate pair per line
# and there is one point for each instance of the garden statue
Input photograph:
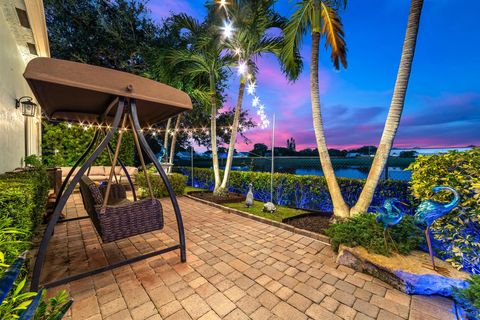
x,y
428,211
269,207
390,215
249,200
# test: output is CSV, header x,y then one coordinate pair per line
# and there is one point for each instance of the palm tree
x,y
205,60
395,111
165,139
322,19
252,20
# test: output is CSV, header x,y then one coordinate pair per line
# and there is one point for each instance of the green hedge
x,y
306,192
178,182
23,197
63,145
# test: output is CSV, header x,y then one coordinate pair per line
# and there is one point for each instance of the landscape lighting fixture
x,y
29,108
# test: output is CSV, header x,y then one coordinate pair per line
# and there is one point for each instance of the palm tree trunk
x,y
340,208
174,140
233,135
213,134
395,111
165,139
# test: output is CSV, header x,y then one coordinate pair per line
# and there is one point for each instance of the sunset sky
x,y
443,99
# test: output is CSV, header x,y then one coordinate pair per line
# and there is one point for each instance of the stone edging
x,y
306,233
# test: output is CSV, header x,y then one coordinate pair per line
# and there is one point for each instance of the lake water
x,y
394,173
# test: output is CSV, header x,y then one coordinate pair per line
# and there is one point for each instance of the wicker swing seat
x,y
121,218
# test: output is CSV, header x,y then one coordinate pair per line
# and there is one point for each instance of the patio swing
x,y
76,92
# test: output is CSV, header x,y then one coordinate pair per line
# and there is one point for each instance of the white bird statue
x,y
249,200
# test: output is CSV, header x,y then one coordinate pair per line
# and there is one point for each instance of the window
x,y
23,17
32,48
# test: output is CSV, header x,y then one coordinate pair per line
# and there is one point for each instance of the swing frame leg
x,y
37,270
146,148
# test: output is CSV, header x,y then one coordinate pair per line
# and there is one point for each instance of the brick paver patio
x,y
237,268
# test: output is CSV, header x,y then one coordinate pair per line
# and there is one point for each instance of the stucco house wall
x,y
19,136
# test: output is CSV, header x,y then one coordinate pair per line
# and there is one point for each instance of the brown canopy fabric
x,y
73,91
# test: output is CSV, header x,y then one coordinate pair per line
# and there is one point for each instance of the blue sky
x,y
443,99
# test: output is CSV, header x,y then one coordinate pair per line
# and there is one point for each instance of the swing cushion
x,y
123,219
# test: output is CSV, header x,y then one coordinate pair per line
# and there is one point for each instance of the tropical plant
x,y
363,230
252,22
469,298
396,108
24,304
204,59
322,19
459,231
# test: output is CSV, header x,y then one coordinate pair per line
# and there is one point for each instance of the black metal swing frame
x,y
124,107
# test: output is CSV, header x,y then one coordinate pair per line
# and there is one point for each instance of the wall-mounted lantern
x,y
29,108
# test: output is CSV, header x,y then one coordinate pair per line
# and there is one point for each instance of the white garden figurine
x,y
269,207
249,200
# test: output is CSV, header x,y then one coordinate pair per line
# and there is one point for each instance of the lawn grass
x,y
257,209
190,189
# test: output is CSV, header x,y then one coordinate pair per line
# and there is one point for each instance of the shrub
x,y
178,182
458,233
23,197
469,297
363,230
305,192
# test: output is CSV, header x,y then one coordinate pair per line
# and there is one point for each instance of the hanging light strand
x,y
242,68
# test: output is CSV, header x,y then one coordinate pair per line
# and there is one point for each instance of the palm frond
x,y
294,32
332,28
184,21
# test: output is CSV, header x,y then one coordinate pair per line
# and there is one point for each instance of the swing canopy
x,y
77,92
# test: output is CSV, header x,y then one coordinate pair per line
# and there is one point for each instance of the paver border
x,y
319,237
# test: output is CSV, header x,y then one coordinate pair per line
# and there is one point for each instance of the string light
x,y
242,67
227,30
256,101
251,88
223,3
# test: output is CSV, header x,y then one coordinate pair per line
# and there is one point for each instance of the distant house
x,y
396,152
353,155
184,155
241,155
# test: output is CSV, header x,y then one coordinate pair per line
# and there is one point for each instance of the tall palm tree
x,y
204,59
321,18
252,21
396,108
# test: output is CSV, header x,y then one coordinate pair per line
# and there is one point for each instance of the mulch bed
x,y
227,198
315,222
